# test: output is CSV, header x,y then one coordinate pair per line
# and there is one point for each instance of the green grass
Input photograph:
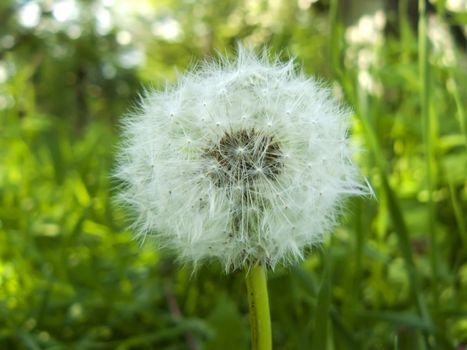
x,y
392,276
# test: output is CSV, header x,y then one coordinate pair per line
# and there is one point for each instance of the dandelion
x,y
243,161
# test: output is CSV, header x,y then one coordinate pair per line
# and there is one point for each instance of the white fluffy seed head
x,y
244,161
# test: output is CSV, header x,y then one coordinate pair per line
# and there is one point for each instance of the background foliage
x,y
393,276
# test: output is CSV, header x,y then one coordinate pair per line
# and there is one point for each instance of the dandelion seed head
x,y
242,161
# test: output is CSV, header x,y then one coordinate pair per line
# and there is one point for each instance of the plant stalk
x,y
258,301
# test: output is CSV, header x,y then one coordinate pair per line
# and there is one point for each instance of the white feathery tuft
x,y
244,161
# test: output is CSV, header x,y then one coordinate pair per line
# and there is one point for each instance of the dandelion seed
x,y
252,169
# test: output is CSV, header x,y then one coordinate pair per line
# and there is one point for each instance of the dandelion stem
x,y
258,302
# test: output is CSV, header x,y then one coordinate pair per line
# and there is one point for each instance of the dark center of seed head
x,y
244,156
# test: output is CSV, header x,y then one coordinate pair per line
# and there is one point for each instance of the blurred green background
x,y
392,276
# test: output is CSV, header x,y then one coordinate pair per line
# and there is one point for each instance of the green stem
x,y
258,302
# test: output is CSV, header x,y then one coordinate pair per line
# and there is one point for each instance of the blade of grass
x,y
461,115
336,30
458,212
427,128
320,331
398,319
340,326
396,216
407,320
